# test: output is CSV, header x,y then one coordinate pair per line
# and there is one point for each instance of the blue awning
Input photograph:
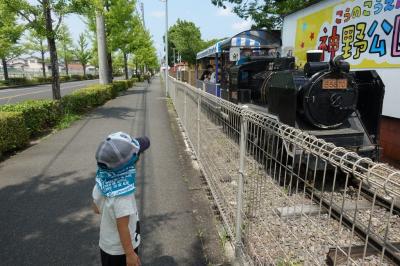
x,y
210,51
253,39
244,42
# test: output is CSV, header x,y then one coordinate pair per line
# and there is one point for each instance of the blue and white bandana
x,y
118,182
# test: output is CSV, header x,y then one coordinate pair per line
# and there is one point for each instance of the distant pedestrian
x,y
148,77
207,73
114,198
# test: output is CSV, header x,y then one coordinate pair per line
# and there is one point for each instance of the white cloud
x,y
157,14
225,12
242,25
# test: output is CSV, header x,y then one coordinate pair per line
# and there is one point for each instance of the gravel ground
x,y
269,238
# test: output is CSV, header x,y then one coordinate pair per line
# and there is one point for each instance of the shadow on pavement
x,y
135,91
47,221
123,113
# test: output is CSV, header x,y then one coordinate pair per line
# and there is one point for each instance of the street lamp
x,y
166,47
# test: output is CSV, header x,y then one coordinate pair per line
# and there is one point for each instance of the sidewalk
x,y
45,191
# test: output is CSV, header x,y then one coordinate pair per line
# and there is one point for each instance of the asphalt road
x,y
40,92
45,191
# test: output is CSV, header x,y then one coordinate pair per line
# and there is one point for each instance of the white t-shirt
x,y
212,78
111,209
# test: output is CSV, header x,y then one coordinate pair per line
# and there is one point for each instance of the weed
x,y
223,237
67,120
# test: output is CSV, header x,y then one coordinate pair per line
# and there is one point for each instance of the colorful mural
x,y
365,32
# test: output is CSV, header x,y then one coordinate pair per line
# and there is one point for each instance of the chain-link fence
x,y
286,197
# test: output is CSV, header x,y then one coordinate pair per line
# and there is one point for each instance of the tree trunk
x,y
84,70
43,63
5,70
55,86
110,67
126,66
136,66
66,61
66,66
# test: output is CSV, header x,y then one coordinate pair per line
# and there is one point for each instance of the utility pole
x,y
102,48
142,10
166,47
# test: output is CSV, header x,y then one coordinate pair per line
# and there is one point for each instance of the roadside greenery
x,y
82,53
30,119
184,37
10,33
36,43
13,133
42,80
265,14
129,44
39,115
65,46
126,35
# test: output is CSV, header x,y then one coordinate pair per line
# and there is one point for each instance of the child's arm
x,y
95,209
97,200
132,258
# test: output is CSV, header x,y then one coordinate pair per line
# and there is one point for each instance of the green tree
x,y
125,29
65,45
35,43
185,37
45,17
126,37
10,33
82,53
211,42
265,13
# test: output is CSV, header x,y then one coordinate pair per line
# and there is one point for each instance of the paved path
x,y
40,92
45,191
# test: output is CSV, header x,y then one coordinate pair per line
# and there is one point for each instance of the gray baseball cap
x,y
117,149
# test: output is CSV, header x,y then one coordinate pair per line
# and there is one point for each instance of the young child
x,y
114,199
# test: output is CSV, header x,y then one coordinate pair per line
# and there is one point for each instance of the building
x,y
33,66
367,34
29,64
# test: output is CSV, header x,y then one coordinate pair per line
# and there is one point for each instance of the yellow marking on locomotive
x,y
334,84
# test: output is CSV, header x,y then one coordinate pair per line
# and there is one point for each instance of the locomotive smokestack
x,y
314,63
314,56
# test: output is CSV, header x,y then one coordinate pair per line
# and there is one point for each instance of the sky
x,y
213,22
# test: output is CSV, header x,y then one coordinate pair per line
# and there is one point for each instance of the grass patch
x,y
67,121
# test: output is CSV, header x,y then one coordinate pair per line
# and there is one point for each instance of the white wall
x,y
390,76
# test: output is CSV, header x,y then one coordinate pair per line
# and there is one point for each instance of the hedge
x,y
39,115
20,121
44,79
123,85
84,99
13,133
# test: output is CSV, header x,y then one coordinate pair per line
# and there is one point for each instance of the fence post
x,y
198,125
242,155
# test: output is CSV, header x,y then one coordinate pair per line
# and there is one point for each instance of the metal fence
x,y
286,197
16,73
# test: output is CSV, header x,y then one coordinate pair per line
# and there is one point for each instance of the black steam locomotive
x,y
325,99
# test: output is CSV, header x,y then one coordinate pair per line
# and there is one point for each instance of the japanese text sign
x,y
365,32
